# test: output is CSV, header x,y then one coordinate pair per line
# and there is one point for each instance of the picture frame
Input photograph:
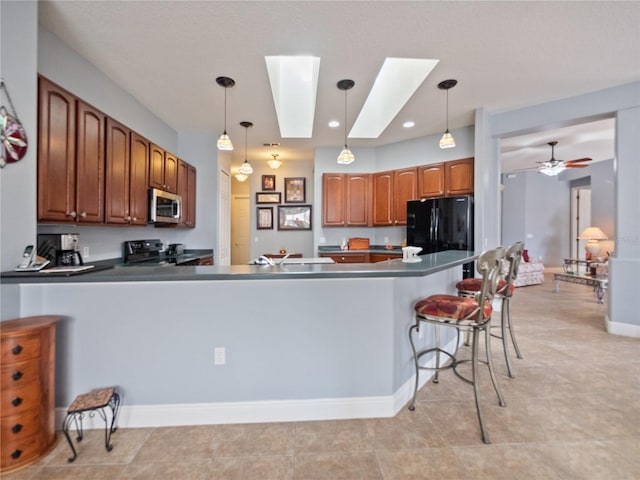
x,y
268,197
264,218
295,190
294,218
268,182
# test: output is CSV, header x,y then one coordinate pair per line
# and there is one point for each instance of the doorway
x,y
580,217
240,235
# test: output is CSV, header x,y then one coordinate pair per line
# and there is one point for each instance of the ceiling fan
x,y
553,166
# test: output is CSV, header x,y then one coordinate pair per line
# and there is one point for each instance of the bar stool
x,y
465,314
469,287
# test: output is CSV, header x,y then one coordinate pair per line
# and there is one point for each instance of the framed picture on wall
x,y
265,218
294,218
275,197
268,182
294,190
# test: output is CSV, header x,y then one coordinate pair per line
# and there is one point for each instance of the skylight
x,y
397,80
294,84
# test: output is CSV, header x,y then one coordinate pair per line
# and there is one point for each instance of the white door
x,y
240,229
224,229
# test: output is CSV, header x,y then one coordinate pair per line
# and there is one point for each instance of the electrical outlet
x,y
85,252
219,356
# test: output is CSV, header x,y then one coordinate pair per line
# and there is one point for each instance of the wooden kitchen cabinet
x,y
163,170
391,191
382,257
118,168
139,180
70,157
27,374
431,183
348,257
345,200
187,190
459,177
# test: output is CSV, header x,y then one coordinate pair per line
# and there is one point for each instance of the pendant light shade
x,y
447,140
275,163
224,142
245,168
241,177
346,156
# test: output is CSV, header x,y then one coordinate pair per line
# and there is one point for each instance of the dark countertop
x,y
335,249
429,264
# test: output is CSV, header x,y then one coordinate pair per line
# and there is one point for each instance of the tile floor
x,y
573,412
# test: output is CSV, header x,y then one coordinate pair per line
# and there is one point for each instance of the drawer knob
x,y
17,349
16,401
17,376
16,454
16,428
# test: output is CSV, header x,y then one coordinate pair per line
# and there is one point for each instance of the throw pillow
x,y
525,255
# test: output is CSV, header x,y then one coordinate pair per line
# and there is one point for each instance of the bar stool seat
x,y
469,287
465,314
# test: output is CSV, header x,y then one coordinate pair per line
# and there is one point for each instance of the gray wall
x,y
410,153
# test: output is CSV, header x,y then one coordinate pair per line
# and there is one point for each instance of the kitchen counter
x,y
429,264
335,249
243,343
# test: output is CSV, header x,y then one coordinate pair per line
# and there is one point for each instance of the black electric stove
x,y
144,252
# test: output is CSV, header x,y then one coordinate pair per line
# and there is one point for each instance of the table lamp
x,y
593,235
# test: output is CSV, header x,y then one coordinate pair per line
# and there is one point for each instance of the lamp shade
x,y
592,233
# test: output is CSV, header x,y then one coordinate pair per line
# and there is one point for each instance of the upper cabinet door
x,y
405,188
170,172
56,153
333,199
183,190
139,180
358,199
191,196
431,181
383,199
459,177
90,164
156,167
118,163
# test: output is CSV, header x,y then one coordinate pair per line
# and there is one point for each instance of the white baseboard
x,y
144,416
622,329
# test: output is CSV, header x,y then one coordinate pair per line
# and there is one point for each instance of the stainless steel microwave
x,y
164,207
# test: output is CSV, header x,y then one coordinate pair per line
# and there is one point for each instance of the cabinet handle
x,y
72,214
83,214
16,401
135,219
16,454
16,428
16,350
17,376
128,218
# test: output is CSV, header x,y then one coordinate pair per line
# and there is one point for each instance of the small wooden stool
x,y
92,402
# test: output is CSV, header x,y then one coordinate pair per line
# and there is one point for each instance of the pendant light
x,y
224,142
245,168
275,163
447,140
345,157
241,177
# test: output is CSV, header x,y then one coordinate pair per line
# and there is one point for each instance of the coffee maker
x,y
61,249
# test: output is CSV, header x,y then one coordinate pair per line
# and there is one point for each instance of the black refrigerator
x,y
438,224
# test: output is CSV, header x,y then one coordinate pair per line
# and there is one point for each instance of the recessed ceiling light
x,y
294,84
334,123
397,80
409,124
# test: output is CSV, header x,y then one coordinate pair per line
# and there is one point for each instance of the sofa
x,y
529,273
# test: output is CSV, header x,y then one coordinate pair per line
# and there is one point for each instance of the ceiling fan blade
x,y
586,159
576,165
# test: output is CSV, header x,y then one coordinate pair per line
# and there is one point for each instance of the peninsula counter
x,y
300,342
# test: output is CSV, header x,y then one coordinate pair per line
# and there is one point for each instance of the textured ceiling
x,y
504,55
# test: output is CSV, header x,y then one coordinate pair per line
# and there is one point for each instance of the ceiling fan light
x,y
275,163
552,170
447,140
346,157
224,142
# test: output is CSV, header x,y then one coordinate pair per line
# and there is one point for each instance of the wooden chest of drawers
x,y
27,359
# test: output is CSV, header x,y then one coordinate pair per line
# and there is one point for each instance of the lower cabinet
x,y
206,261
28,390
381,257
